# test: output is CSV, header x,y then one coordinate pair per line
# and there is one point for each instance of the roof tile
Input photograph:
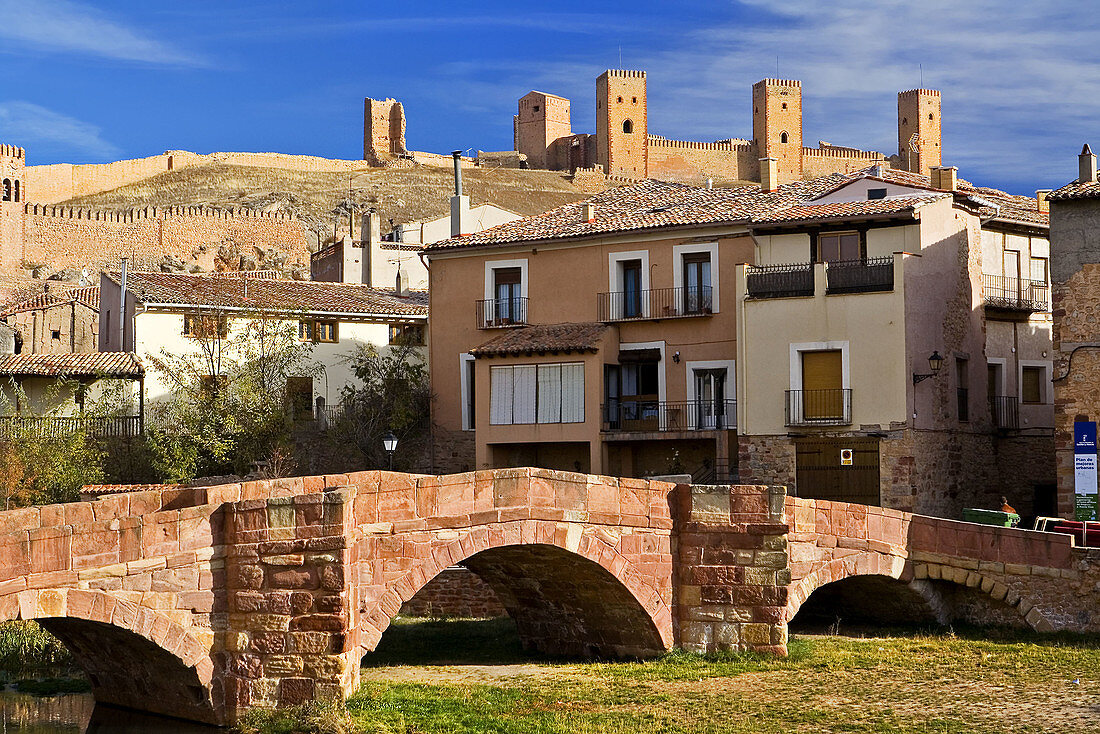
x,y
106,364
573,337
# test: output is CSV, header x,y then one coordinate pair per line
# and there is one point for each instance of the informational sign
x,y
846,457
1084,470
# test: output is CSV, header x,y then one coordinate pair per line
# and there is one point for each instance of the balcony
x,y
869,275
37,426
500,313
1005,412
654,303
780,281
660,416
819,407
1015,294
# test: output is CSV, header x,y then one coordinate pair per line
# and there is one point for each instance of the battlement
x,y
625,73
769,82
148,212
835,152
12,151
917,92
732,144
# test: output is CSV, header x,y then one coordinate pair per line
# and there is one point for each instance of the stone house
x,y
662,328
56,321
167,313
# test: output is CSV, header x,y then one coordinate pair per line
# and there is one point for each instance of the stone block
x,y
756,634
294,691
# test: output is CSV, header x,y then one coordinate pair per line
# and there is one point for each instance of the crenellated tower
x,y
777,124
919,137
622,129
13,194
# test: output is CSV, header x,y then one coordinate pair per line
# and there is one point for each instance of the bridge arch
x,y
869,564
570,593
134,656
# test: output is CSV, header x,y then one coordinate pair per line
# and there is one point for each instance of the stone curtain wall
x,y
454,593
63,237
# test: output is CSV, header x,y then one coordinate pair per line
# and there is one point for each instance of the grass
x,y
29,652
431,677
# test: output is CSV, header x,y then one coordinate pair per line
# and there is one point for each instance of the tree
x,y
393,395
228,403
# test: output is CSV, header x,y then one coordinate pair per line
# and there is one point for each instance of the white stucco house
x,y
163,309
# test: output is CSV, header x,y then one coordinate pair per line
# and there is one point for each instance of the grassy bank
x,y
28,651
436,677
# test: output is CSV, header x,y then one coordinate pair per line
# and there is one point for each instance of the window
x,y
17,190
7,189
784,106
634,100
620,100
876,194
632,288
962,388
822,384
783,137
535,108
467,379
628,126
838,247
710,397
544,393
205,326
1039,269
55,334
318,331
408,335
697,282
1031,385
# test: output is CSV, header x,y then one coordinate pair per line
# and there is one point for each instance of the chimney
x,y
769,174
402,283
588,212
945,177
122,308
1086,165
1041,199
710,183
457,155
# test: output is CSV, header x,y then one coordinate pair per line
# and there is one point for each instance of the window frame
x,y
190,319
1045,388
861,245
536,410
399,332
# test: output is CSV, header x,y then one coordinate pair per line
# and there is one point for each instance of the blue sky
x,y
90,82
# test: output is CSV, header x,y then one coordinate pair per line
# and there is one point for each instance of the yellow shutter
x,y
822,381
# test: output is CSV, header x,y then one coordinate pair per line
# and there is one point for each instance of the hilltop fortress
x,y
623,147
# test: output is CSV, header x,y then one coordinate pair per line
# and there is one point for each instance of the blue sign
x,y
1084,470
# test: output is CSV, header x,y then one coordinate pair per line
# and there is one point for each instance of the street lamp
x,y
389,442
935,362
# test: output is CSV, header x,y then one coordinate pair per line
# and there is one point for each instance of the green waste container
x,y
991,517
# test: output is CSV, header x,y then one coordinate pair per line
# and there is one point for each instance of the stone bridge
x,y
201,603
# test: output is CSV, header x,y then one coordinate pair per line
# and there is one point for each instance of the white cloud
x,y
66,26
28,124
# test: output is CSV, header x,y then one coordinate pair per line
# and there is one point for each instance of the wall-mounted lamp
x,y
935,362
676,357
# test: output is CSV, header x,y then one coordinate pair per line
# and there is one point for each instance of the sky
x,y
90,82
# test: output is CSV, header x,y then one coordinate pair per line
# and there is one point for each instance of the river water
x,y
77,713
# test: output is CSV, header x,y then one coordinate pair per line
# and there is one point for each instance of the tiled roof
x,y
576,337
1013,208
646,205
87,296
177,289
849,209
111,364
1077,190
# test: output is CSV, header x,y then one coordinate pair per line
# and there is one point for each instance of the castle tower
x,y
383,128
777,124
919,139
622,129
13,194
542,119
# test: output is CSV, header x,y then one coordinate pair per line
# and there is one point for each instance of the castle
x,y
623,146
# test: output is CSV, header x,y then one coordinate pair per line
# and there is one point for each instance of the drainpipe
x,y
122,309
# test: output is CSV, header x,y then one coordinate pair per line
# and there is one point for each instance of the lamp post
x,y
389,442
935,362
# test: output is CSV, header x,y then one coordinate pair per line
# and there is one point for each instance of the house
x,y
50,394
56,321
1075,281
661,328
165,313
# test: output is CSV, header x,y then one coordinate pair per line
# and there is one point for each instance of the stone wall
x,y
76,326
63,237
766,460
456,592
691,162
453,451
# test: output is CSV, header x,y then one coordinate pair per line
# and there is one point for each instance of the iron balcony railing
x,y
654,303
659,415
715,472
1015,293
819,407
37,426
780,281
867,275
495,313
1005,411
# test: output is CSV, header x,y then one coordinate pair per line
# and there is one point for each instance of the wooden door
x,y
820,471
822,380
